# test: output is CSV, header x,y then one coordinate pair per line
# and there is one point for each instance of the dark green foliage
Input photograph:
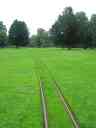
x,y
18,34
74,30
64,31
93,30
83,24
70,30
3,35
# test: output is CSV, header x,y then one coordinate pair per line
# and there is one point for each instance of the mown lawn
x,y
75,71
19,91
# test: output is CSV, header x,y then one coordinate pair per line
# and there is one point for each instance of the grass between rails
x,y
57,116
75,70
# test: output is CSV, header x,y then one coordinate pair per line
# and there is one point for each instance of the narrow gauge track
x,y
42,97
44,106
43,100
67,107
63,100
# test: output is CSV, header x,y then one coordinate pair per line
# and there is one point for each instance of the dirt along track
x,y
63,99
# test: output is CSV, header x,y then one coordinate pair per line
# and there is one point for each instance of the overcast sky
x,y
40,13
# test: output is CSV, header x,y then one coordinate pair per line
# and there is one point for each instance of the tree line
x,y
71,30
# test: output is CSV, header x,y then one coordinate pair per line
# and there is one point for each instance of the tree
x,y
42,39
93,30
70,28
3,35
18,34
33,41
64,31
83,25
57,33
89,35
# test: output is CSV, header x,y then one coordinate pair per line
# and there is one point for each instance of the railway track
x,y
67,107
44,105
64,100
43,99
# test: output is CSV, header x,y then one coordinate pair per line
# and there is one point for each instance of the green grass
x,y
19,91
57,116
74,70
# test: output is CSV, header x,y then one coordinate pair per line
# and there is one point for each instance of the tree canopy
x,y
69,30
18,34
3,35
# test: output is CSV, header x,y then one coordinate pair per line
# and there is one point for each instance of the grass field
x,y
20,103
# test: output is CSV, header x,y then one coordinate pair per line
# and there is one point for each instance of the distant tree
x,y
33,41
18,34
40,32
3,35
42,39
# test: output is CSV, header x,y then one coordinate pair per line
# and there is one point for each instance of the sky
x,y
40,13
